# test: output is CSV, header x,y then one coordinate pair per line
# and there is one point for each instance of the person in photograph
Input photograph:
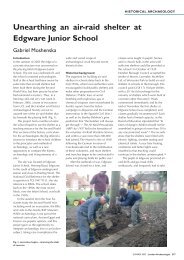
x,y
99,184
134,184
86,216
133,199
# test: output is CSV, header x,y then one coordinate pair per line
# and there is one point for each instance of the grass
x,y
76,195
151,197
148,197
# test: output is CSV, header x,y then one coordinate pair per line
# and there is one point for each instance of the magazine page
x,y
91,110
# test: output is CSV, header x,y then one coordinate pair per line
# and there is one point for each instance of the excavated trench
x,y
115,233
109,229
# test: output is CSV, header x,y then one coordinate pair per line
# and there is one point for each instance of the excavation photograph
x,y
116,209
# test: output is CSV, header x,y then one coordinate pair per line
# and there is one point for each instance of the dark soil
x,y
151,233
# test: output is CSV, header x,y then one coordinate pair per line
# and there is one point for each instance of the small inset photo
x,y
116,208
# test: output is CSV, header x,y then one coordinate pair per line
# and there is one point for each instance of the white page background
x,y
160,36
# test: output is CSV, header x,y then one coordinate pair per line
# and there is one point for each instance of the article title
x,y
66,28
